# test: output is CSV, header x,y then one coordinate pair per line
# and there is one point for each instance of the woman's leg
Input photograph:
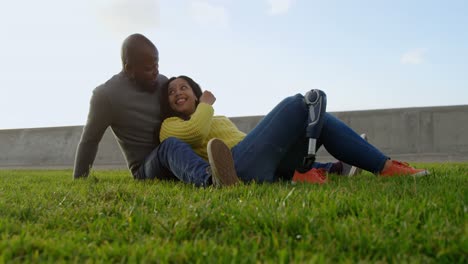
x,y
258,156
294,157
346,145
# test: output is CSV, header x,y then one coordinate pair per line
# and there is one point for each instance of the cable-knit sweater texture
x,y
200,128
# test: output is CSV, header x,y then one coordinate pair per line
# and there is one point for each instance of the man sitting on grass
x,y
128,103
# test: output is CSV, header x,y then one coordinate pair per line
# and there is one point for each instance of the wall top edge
x,y
425,108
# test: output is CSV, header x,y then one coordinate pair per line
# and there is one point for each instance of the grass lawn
x,y
45,216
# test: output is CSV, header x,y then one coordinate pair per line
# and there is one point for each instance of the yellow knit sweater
x,y
200,128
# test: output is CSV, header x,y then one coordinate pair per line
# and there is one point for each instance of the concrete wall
x,y
427,134
412,134
53,147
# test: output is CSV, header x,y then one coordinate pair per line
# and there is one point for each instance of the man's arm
x,y
99,118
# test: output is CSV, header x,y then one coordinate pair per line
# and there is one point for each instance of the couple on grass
x,y
167,130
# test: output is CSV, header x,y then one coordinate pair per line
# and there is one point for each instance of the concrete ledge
x,y
427,134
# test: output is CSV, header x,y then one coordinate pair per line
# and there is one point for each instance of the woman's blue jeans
x,y
278,144
272,150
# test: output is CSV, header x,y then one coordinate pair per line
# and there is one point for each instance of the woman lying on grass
x,y
276,146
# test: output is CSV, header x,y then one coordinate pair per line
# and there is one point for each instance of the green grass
x,y
45,216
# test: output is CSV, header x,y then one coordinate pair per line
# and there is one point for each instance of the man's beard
x,y
148,86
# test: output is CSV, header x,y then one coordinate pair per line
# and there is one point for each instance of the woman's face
x,y
182,99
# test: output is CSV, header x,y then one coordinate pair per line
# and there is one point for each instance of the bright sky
x,y
365,54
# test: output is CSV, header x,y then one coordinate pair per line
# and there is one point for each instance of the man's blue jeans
x,y
175,159
278,144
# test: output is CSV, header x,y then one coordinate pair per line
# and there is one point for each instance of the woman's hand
x,y
208,98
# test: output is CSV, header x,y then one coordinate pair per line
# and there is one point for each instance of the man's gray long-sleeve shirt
x,y
133,115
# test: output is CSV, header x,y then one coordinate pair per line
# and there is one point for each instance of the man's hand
x,y
208,98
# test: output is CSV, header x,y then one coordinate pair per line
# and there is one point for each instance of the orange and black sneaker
x,y
318,176
399,168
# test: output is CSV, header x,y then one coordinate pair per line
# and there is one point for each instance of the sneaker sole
x,y
222,164
417,174
421,173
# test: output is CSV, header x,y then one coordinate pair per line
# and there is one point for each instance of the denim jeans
x,y
272,150
277,145
174,159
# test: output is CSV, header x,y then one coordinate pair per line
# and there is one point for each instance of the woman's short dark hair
x,y
166,110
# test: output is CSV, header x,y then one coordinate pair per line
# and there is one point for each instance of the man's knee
x,y
170,142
